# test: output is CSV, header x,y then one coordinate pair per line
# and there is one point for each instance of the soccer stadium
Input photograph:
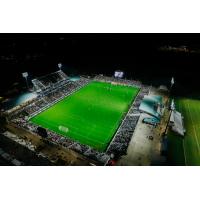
x,y
94,118
92,114
101,120
58,117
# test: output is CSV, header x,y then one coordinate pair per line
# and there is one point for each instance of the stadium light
x,y
25,75
60,65
172,83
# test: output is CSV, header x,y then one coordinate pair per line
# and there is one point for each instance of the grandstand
x,y
108,119
120,98
176,123
176,120
94,113
50,80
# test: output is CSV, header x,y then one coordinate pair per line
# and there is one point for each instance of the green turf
x,y
92,114
175,149
189,145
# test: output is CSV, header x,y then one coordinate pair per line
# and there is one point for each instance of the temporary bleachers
x,y
176,122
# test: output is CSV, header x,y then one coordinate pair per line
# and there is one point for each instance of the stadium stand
x,y
50,80
117,80
56,86
176,122
120,142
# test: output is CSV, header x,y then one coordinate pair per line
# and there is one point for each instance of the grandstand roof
x,y
156,98
44,82
163,88
18,100
75,78
150,105
52,77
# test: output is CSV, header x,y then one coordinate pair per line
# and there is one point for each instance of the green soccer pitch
x,y
91,115
186,151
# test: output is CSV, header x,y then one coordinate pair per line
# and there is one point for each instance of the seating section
x,y
118,80
53,79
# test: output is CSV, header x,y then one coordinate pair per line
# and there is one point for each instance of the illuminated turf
x,y
186,151
90,115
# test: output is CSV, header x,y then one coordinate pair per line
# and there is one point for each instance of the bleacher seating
x,y
45,82
118,80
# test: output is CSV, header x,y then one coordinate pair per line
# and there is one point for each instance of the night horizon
x,y
140,56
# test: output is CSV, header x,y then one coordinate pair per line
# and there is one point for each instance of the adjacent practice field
x,y
91,115
186,151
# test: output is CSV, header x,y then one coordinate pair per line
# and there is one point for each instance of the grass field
x,y
186,151
90,115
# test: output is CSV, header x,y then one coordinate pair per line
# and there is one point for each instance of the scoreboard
x,y
119,74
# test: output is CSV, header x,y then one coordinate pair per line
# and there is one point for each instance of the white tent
x,y
176,121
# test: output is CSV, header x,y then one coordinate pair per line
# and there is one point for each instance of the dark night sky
x,y
136,54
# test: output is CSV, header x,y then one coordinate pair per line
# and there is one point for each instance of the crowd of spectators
x,y
118,80
51,80
78,147
47,99
120,142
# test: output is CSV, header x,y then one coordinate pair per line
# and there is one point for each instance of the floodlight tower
x,y
172,82
25,75
60,66
172,106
